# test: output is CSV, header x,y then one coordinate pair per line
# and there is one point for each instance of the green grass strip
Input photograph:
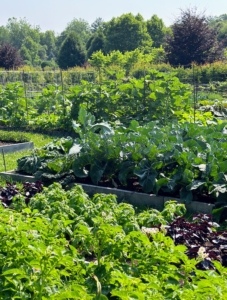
x,y
39,141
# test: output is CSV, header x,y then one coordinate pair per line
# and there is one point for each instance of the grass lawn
x,y
39,140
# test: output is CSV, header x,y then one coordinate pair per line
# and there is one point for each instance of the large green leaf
x,y
66,144
80,166
148,182
127,169
211,169
133,125
220,178
187,177
196,144
85,118
96,171
60,164
173,181
147,175
223,166
28,164
160,183
104,128
195,185
186,195
220,214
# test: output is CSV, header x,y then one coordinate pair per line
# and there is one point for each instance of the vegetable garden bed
x,y
13,147
61,244
137,199
179,161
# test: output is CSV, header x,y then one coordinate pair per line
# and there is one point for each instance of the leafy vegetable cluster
x,y
181,160
197,234
28,190
157,96
67,246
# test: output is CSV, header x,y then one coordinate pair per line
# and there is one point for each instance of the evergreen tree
x,y
97,24
97,43
71,53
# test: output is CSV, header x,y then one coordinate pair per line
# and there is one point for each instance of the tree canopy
x,y
80,26
72,52
220,25
126,33
97,24
193,37
192,40
157,30
97,43
9,57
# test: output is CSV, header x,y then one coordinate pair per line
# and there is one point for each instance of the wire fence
x,y
207,82
208,78
35,81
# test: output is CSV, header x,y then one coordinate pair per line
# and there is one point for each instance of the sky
x,y
56,14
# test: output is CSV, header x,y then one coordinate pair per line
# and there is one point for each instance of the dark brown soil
x,y
133,185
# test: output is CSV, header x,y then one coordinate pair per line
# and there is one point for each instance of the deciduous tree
x,y
126,33
78,26
156,29
32,48
9,57
192,40
48,39
4,35
19,30
220,25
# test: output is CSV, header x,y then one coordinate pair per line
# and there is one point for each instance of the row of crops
x,y
157,96
180,160
150,135
35,78
61,244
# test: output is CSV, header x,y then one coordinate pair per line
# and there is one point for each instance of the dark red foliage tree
x,y
192,40
9,57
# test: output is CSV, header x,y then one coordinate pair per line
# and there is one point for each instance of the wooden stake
x,y
4,161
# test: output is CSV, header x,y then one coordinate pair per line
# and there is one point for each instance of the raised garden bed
x,y
13,147
135,198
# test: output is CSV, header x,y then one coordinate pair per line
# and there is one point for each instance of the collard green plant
x,y
179,160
